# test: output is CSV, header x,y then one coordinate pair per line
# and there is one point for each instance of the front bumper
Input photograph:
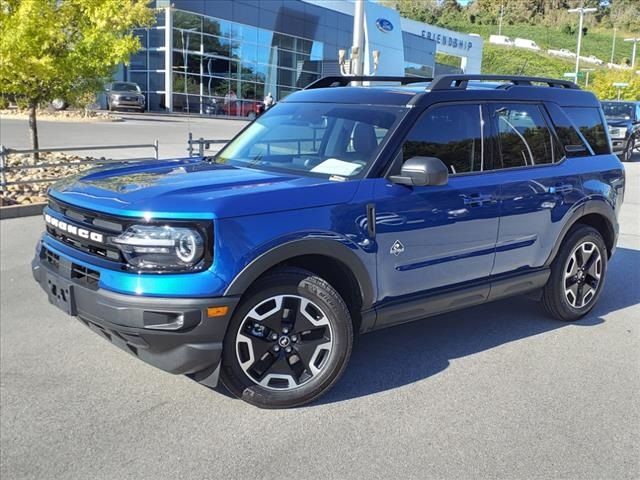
x,y
619,145
140,325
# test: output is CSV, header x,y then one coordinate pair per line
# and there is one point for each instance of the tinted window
x,y
590,123
566,131
523,135
451,133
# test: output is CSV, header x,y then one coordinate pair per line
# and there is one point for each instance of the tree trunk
x,y
33,127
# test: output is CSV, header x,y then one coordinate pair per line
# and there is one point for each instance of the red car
x,y
244,108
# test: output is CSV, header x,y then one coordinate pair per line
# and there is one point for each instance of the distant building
x,y
223,49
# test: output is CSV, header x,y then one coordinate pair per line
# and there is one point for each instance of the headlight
x,y
618,132
162,247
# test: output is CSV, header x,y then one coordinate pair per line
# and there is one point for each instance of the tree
x,y
64,48
603,86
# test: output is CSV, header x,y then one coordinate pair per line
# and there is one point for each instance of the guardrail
x,y
5,152
202,143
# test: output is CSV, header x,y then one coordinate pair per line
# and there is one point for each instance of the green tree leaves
x,y
65,48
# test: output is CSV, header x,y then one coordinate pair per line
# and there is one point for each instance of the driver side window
x,y
452,133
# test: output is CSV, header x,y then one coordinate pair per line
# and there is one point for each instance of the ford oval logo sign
x,y
384,25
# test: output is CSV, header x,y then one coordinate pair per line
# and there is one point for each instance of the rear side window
x,y
524,138
452,133
567,133
591,124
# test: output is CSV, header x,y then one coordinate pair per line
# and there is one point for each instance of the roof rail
x,y
444,82
340,81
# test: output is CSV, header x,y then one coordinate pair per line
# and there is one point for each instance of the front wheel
x,y
289,341
577,275
628,153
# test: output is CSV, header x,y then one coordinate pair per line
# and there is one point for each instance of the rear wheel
x,y
577,275
289,341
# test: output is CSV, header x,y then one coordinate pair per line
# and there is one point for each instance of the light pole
x,y
633,54
613,47
581,11
357,50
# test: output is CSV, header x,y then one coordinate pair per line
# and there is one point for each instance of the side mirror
x,y
421,172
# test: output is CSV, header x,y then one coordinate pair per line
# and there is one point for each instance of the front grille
x,y
78,273
105,225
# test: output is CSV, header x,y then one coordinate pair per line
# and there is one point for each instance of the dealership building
x,y
204,55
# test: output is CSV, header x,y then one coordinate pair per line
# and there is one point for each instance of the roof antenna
x,y
524,65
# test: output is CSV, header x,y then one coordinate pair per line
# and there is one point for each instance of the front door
x,y
439,236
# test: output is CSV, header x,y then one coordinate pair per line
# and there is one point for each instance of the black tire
x,y
628,152
556,299
291,285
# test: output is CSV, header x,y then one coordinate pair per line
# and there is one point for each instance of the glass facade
x,y
225,56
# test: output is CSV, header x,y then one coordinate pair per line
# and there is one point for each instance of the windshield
x,y
618,110
125,87
318,139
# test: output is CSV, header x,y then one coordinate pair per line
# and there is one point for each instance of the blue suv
x,y
343,209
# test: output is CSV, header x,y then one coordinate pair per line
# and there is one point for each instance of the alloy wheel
x,y
284,342
582,274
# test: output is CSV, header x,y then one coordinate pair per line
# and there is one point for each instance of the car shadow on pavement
x,y
398,356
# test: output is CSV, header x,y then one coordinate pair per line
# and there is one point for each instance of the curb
x,y
17,211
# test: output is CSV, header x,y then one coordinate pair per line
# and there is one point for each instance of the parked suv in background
x,y
623,119
342,209
124,95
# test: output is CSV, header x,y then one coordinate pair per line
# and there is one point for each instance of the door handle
x,y
478,199
561,188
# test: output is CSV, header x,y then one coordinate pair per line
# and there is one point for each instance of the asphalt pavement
x,y
494,392
171,131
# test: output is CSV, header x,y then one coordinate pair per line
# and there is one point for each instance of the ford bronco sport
x,y
343,209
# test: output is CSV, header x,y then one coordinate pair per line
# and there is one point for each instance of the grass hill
x,y
596,42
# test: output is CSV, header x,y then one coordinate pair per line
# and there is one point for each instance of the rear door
x,y
539,187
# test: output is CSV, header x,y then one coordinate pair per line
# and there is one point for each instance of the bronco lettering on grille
x,y
73,230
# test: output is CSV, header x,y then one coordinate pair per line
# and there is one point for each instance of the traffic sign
x,y
620,84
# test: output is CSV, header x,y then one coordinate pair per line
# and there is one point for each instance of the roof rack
x,y
444,82
340,81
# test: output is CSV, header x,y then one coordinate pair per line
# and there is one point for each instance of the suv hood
x,y
196,189
618,121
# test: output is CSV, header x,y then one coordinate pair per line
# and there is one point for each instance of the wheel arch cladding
x,y
595,215
334,262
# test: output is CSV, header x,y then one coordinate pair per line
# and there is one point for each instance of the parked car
x,y
121,95
592,59
243,108
623,120
501,40
526,43
340,210
563,52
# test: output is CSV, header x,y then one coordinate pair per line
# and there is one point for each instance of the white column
x,y
168,59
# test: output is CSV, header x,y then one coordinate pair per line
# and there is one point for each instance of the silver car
x,y
122,95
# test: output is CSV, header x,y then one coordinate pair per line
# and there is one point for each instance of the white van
x,y
501,40
526,43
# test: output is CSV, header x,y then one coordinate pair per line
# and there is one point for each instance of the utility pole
x,y
581,11
500,24
635,44
613,48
